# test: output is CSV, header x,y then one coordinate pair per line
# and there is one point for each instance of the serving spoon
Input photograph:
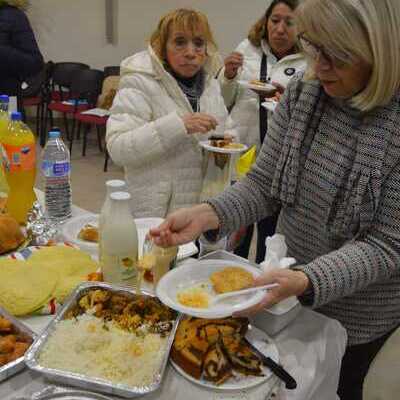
x,y
241,292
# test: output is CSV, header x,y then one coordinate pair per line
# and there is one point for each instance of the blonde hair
x,y
22,4
257,32
366,30
188,21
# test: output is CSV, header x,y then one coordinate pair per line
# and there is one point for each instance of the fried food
x,y
257,82
89,233
230,279
13,344
11,235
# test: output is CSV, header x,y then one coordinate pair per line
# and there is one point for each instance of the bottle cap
x,y
120,196
54,134
16,116
115,183
4,98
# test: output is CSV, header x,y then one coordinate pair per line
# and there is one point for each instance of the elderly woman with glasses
x,y
332,160
167,101
270,53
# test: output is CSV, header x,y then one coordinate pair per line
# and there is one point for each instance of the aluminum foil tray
x,y
67,378
10,369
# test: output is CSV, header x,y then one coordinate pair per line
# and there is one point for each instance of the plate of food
x,y
12,236
191,288
258,86
83,232
224,145
118,342
215,353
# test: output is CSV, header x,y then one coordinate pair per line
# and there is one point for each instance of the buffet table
x,y
310,348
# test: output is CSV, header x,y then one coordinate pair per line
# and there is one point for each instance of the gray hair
x,y
367,30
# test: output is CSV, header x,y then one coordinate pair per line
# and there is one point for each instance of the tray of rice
x,y
15,339
107,339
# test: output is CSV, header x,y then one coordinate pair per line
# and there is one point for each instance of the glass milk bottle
x,y
113,185
119,242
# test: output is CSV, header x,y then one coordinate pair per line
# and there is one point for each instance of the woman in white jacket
x,y
166,102
270,54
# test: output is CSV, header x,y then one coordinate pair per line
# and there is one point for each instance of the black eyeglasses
x,y
314,51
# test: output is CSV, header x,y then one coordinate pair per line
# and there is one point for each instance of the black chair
x,y
111,70
86,86
34,93
62,76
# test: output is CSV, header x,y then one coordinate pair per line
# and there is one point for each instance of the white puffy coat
x,y
146,135
245,111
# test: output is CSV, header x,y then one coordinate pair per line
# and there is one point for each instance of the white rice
x,y
85,347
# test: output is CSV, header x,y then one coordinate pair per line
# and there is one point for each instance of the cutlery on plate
x,y
241,292
277,369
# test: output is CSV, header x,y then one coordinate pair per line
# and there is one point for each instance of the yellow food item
x,y
89,233
194,297
230,279
257,82
23,287
50,273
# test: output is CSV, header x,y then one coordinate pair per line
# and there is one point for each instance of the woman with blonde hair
x,y
167,101
270,53
331,159
19,52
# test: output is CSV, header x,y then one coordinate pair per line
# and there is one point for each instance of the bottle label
x,y
56,169
21,158
127,267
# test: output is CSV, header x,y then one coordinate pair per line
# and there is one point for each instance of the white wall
x,y
74,30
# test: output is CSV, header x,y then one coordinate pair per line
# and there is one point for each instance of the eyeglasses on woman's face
x,y
182,43
316,53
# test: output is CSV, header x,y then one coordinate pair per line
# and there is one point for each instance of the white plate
x,y
270,105
72,227
267,87
206,145
240,382
196,273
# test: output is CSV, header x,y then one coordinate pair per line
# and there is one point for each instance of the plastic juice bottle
x,y
119,242
19,144
4,119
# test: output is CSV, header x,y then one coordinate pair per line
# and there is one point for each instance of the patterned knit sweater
x,y
336,173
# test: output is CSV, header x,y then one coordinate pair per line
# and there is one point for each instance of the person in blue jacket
x,y
19,53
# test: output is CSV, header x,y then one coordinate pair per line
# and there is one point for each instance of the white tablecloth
x,y
310,348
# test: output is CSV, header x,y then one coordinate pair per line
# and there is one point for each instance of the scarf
x,y
359,192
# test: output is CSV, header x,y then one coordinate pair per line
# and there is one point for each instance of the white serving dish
x,y
197,273
72,227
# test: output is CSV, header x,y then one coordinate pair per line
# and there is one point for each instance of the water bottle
x,y
56,169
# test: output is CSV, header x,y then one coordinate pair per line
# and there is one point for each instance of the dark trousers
x,y
355,365
266,227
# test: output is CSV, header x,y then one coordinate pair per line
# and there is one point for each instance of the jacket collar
x,y
267,51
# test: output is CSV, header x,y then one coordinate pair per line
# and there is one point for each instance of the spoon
x,y
226,295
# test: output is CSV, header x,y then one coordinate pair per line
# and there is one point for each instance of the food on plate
x,y
111,336
89,233
214,349
257,82
195,297
230,279
13,343
50,273
23,287
11,235
225,143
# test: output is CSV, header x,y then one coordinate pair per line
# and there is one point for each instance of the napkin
x,y
275,257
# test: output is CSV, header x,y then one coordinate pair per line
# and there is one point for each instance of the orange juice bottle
x,y
4,120
19,144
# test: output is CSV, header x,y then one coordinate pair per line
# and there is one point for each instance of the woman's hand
x,y
291,283
185,225
232,64
199,123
